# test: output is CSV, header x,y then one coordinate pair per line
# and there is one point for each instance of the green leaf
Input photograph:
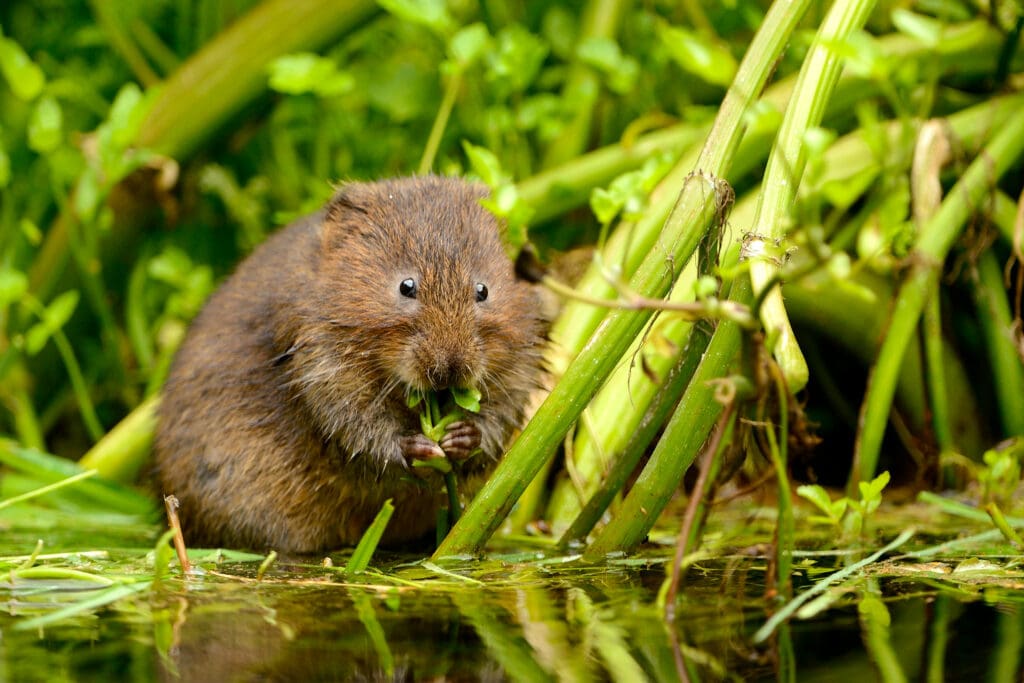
x,y
53,318
45,127
467,398
23,75
126,115
516,61
817,495
924,29
469,44
163,552
430,13
485,164
872,490
605,55
13,284
698,55
361,556
306,72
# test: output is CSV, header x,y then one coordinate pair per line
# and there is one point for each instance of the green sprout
x,y
438,410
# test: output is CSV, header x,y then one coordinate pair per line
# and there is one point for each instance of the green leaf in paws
x,y
467,398
442,465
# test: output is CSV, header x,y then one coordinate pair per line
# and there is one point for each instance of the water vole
x,y
284,421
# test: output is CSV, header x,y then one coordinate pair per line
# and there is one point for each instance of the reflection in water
x,y
530,623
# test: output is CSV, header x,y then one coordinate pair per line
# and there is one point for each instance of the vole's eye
x,y
407,288
481,291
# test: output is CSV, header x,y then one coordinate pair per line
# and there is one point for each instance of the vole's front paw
x,y
460,440
419,447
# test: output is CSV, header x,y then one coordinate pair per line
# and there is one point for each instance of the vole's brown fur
x,y
284,421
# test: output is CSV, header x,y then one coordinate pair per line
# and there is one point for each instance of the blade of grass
x,y
101,599
50,468
997,329
367,545
793,605
123,451
49,488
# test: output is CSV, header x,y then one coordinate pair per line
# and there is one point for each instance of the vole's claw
x,y
460,440
417,446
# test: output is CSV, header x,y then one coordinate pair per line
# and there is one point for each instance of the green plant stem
x,y
785,534
444,113
78,383
679,444
567,186
136,325
164,57
661,407
938,392
815,84
996,326
560,189
230,71
668,463
454,506
49,488
930,249
1001,523
122,452
698,206
583,85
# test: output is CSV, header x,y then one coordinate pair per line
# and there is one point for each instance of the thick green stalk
x,y
698,206
583,85
815,84
120,454
557,190
929,253
660,409
856,323
614,414
686,432
230,71
931,153
938,392
996,326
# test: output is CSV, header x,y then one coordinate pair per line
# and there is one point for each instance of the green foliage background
x,y
146,147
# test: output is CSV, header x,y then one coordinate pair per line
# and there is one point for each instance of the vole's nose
x,y
448,370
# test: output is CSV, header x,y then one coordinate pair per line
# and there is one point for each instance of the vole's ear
x,y
346,214
528,266
348,198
